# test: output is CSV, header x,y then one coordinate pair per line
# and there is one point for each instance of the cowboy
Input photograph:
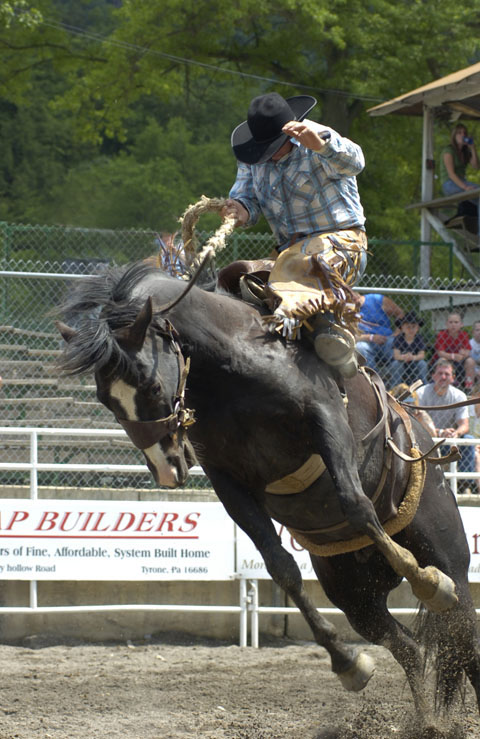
x,y
301,176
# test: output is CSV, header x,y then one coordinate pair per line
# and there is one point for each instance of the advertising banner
x,y
156,540
114,540
471,523
250,563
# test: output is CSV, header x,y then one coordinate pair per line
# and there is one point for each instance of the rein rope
x,y
460,404
217,242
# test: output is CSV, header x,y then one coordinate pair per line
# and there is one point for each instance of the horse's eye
x,y
155,389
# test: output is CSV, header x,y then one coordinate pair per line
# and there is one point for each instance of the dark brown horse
x,y
278,439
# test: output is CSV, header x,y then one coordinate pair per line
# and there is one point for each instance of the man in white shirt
x,y
452,423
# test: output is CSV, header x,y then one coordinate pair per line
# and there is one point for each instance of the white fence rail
x,y
35,466
248,595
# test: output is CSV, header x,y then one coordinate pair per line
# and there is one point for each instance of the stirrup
x,y
252,290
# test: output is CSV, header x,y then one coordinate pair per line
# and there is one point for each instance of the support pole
x,y
243,613
253,593
427,193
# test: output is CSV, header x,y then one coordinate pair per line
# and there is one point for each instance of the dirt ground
x,y
169,689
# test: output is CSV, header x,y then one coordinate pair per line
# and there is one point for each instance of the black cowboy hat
x,y
410,317
255,140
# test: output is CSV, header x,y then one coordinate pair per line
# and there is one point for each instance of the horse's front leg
x,y
352,667
336,443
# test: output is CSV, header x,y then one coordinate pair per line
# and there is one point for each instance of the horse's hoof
x,y
358,675
444,597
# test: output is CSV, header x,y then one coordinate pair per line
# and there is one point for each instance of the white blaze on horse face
x,y
125,395
163,472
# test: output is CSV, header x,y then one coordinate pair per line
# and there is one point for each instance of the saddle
x,y
395,508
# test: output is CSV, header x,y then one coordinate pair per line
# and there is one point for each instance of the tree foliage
x,y
120,113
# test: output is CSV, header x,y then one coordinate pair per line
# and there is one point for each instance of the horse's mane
x,y
96,307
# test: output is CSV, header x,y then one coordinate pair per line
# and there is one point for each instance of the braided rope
x,y
217,242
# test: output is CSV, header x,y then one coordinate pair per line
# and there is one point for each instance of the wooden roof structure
x,y
457,94
451,97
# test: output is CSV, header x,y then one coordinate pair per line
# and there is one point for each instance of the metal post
x,y
33,594
243,612
253,593
427,193
453,480
34,463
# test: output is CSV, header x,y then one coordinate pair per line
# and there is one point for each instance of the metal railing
x,y
34,466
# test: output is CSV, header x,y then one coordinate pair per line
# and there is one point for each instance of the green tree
x,y
346,54
149,184
157,88
332,48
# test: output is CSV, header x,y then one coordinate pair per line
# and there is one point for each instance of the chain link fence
x,y
38,264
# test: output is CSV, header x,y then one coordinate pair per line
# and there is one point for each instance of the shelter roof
x,y
457,94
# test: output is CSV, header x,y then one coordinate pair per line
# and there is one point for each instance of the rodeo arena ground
x,y
175,557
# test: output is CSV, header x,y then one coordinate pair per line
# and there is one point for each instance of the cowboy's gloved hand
x,y
306,132
235,209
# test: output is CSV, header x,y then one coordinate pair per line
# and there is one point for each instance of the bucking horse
x,y
189,372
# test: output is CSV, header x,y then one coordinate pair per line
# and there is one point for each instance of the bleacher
x,y
34,394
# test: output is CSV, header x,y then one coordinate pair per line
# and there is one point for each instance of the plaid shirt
x,y
306,191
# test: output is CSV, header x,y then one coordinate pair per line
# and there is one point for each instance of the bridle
x,y
145,434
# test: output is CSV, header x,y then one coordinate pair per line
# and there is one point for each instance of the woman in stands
x,y
455,158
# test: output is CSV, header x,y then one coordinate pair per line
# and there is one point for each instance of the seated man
x,y
409,363
452,423
376,338
453,343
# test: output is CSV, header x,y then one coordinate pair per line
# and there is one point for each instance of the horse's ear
x,y
132,337
67,332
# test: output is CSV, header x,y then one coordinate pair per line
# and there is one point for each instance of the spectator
x,y
452,423
474,429
453,344
403,391
409,363
375,341
475,350
455,157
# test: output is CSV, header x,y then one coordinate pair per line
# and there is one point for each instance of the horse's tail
x,y
441,654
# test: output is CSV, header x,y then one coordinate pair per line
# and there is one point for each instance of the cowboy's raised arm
x,y
340,156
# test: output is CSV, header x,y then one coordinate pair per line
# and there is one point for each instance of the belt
x,y
299,236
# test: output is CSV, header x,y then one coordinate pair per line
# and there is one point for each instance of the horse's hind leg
x,y
352,667
360,590
336,445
